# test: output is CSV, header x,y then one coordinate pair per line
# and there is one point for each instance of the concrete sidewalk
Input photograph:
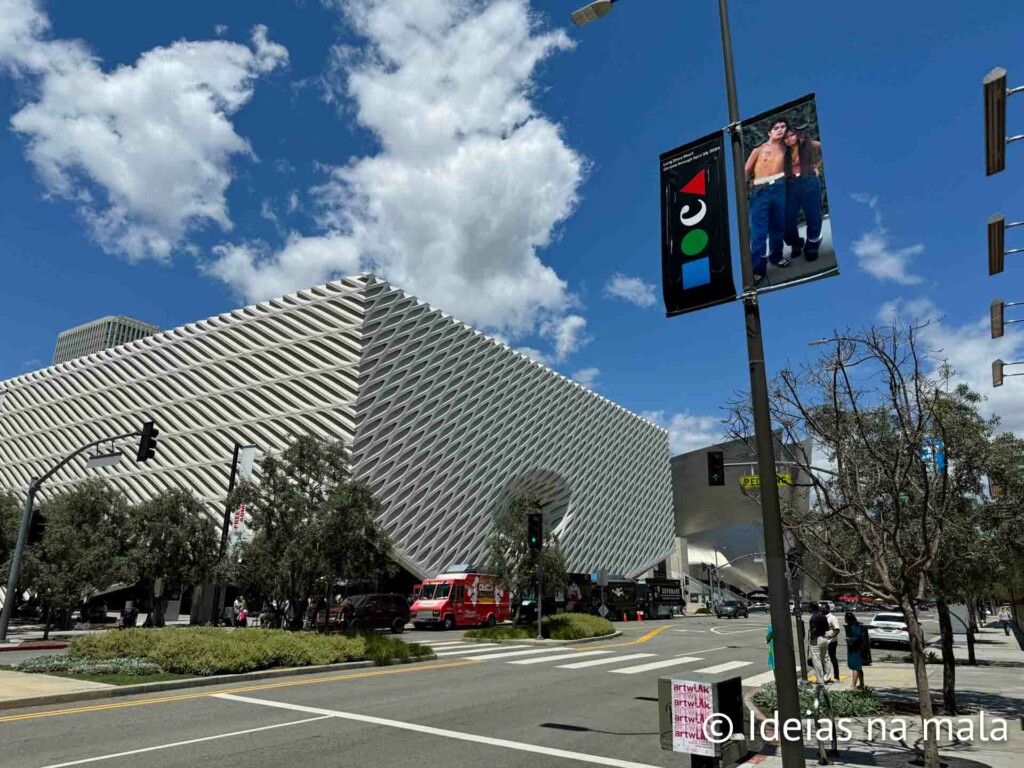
x,y
995,687
16,686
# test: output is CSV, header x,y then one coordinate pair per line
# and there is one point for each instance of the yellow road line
x,y
242,689
644,639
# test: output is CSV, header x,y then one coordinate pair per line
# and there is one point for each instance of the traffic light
x,y
535,530
36,528
147,444
716,468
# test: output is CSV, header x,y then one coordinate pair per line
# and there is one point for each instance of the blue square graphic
x,y
696,273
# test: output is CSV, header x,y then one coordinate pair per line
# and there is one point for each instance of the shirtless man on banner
x,y
768,200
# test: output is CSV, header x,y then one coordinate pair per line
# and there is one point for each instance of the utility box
x,y
702,714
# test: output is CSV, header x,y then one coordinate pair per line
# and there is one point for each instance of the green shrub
x,y
845,703
213,651
930,658
74,666
563,626
703,611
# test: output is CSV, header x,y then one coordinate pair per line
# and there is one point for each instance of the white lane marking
x,y
613,660
726,666
758,680
560,657
705,650
581,757
656,665
474,648
737,632
185,743
493,655
702,631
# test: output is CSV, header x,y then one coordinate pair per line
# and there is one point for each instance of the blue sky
x,y
174,162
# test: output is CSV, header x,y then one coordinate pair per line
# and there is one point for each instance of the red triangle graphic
x,y
695,186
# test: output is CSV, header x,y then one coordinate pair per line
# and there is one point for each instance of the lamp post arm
x,y
26,522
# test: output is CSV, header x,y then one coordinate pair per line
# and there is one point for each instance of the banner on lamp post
x,y
790,225
696,265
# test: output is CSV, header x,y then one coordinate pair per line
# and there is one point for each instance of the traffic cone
x,y
639,616
625,616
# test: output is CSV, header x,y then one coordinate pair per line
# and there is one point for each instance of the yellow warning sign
x,y
754,481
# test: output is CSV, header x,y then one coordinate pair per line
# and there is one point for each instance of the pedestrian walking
x,y
854,644
833,640
236,608
817,641
1004,616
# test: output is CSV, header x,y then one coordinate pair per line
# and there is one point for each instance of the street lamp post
x,y
785,666
26,522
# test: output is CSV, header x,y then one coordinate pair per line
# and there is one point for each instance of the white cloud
x,y
586,376
220,29
144,150
632,289
687,432
469,183
970,350
877,255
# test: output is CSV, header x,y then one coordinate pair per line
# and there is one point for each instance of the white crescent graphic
x,y
696,219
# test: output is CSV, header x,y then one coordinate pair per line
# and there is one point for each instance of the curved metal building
x,y
444,422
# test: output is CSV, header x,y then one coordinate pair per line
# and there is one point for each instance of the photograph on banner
x,y
790,227
696,266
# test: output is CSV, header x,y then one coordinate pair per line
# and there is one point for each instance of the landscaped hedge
x,y
845,703
564,626
213,651
77,666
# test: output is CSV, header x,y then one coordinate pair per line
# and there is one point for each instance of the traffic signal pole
x,y
778,589
26,523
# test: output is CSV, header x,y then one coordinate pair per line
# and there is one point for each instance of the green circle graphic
x,y
694,242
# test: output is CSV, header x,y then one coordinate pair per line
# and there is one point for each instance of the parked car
x,y
459,599
760,607
889,628
732,609
372,611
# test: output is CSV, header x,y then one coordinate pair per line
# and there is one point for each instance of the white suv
x,y
889,628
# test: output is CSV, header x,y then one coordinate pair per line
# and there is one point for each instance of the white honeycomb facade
x,y
444,423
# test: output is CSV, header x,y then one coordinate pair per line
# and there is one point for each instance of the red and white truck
x,y
459,599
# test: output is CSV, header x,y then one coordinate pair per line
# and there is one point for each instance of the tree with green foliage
x,y
81,550
10,521
510,558
876,405
168,537
311,525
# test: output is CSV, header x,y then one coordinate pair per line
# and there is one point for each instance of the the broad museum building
x,y
445,423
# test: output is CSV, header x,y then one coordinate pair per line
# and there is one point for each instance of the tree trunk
x,y
948,659
924,694
46,622
156,610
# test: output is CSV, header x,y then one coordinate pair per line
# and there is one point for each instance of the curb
x,y
553,643
47,646
116,691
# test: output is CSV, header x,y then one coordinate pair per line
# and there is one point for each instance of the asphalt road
x,y
475,705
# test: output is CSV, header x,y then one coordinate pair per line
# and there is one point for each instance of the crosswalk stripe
x,y
726,666
656,665
559,657
446,644
499,655
474,648
613,660
758,680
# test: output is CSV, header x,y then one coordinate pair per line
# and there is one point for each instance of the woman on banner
x,y
802,164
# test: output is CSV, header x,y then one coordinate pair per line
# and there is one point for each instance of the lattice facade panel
x,y
445,423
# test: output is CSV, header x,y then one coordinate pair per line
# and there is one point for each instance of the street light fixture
x,y
997,311
995,94
997,227
592,12
997,372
